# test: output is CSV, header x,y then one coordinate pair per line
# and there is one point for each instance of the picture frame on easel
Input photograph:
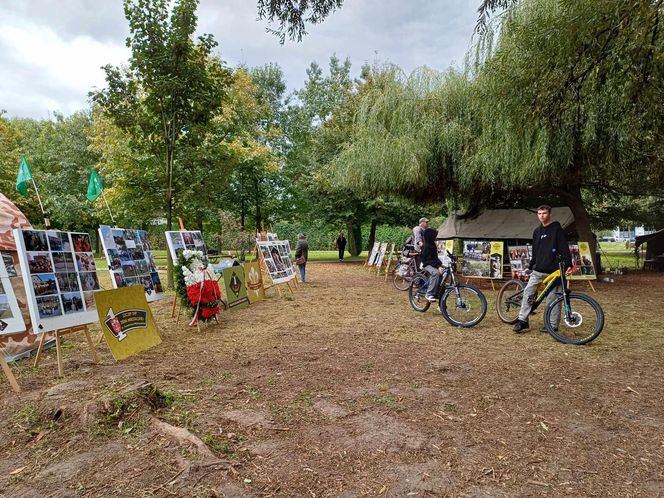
x,y
11,320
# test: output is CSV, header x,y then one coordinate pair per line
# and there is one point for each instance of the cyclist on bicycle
x,y
431,262
549,241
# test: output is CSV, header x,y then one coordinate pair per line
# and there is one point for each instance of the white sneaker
x,y
431,299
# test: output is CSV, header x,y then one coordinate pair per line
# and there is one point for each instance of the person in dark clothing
x,y
302,255
549,241
341,245
430,261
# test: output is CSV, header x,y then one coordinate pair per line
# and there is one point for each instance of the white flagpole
x,y
47,223
109,208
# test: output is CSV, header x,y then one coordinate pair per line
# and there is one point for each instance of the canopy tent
x,y
11,217
501,224
654,249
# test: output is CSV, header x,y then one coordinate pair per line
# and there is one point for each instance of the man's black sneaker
x,y
520,326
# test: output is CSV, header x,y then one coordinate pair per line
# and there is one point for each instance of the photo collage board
x,y
374,254
184,239
11,320
60,278
277,256
482,258
130,260
519,260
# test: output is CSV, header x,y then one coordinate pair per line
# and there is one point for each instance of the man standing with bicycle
x,y
549,242
431,262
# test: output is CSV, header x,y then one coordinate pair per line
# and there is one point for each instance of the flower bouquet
x,y
197,286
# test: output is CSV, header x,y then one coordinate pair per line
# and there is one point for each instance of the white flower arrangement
x,y
195,271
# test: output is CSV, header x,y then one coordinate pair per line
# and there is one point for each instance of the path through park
x,y
343,390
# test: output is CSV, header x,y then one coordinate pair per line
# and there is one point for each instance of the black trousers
x,y
341,252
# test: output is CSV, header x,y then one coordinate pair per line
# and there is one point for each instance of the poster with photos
x,y
11,320
60,278
519,260
184,239
373,254
278,260
482,258
582,262
381,255
130,260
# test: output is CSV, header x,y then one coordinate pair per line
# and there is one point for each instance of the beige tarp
x,y
500,224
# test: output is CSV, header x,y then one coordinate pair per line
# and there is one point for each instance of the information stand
x,y
60,333
388,263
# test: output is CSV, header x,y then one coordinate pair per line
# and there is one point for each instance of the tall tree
x,y
172,85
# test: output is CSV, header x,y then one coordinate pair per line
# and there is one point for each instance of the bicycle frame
x,y
551,282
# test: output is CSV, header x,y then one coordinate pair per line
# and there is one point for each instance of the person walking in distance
x,y
341,245
549,242
302,255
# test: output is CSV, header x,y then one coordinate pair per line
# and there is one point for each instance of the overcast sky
x,y
51,51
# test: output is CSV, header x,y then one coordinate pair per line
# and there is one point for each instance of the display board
x,y
445,246
254,280
184,239
519,260
236,290
60,278
582,262
374,254
126,321
278,261
11,320
381,255
130,260
482,258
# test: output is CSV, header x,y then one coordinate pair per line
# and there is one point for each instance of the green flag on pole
x,y
24,176
95,187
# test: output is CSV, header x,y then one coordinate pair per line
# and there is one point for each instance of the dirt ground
x,y
343,390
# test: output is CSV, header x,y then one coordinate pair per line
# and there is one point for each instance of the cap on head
x,y
424,220
300,235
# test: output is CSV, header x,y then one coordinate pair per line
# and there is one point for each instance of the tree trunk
x,y
354,238
169,213
582,221
372,235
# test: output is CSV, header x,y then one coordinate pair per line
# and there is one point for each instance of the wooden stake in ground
x,y
60,333
9,374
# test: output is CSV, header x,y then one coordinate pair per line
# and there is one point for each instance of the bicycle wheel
x,y
417,291
585,323
400,278
508,302
466,309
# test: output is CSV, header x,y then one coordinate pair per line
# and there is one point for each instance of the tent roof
x,y
10,217
645,238
496,224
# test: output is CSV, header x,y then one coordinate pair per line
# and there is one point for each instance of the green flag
x,y
24,176
95,187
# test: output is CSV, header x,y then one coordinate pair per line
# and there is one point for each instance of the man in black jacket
x,y
430,261
549,241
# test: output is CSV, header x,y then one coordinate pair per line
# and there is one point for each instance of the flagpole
x,y
109,208
47,223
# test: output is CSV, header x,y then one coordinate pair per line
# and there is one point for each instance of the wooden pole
x,y
9,374
109,208
39,350
47,222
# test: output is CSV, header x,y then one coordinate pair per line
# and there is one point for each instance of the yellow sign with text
x,y
126,321
254,281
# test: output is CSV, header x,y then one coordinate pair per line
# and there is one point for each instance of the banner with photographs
x,y
11,320
130,260
277,257
519,260
582,262
482,258
381,255
374,253
254,280
126,321
445,246
184,239
236,290
60,278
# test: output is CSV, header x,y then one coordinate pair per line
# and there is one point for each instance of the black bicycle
x,y
461,305
582,317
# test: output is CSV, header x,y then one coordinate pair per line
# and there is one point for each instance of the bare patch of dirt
x,y
343,390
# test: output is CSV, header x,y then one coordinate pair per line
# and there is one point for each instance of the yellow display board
x,y
254,281
582,262
126,321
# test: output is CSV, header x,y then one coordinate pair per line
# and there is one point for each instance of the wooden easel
x,y
62,332
493,286
590,284
9,374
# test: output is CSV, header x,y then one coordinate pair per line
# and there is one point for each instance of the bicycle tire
x,y
416,294
507,301
398,281
563,328
465,288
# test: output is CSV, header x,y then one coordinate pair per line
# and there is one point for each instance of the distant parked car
x,y
607,239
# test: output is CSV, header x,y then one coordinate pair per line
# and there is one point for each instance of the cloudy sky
x,y
51,51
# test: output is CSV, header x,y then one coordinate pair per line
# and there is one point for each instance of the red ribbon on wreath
x,y
204,296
